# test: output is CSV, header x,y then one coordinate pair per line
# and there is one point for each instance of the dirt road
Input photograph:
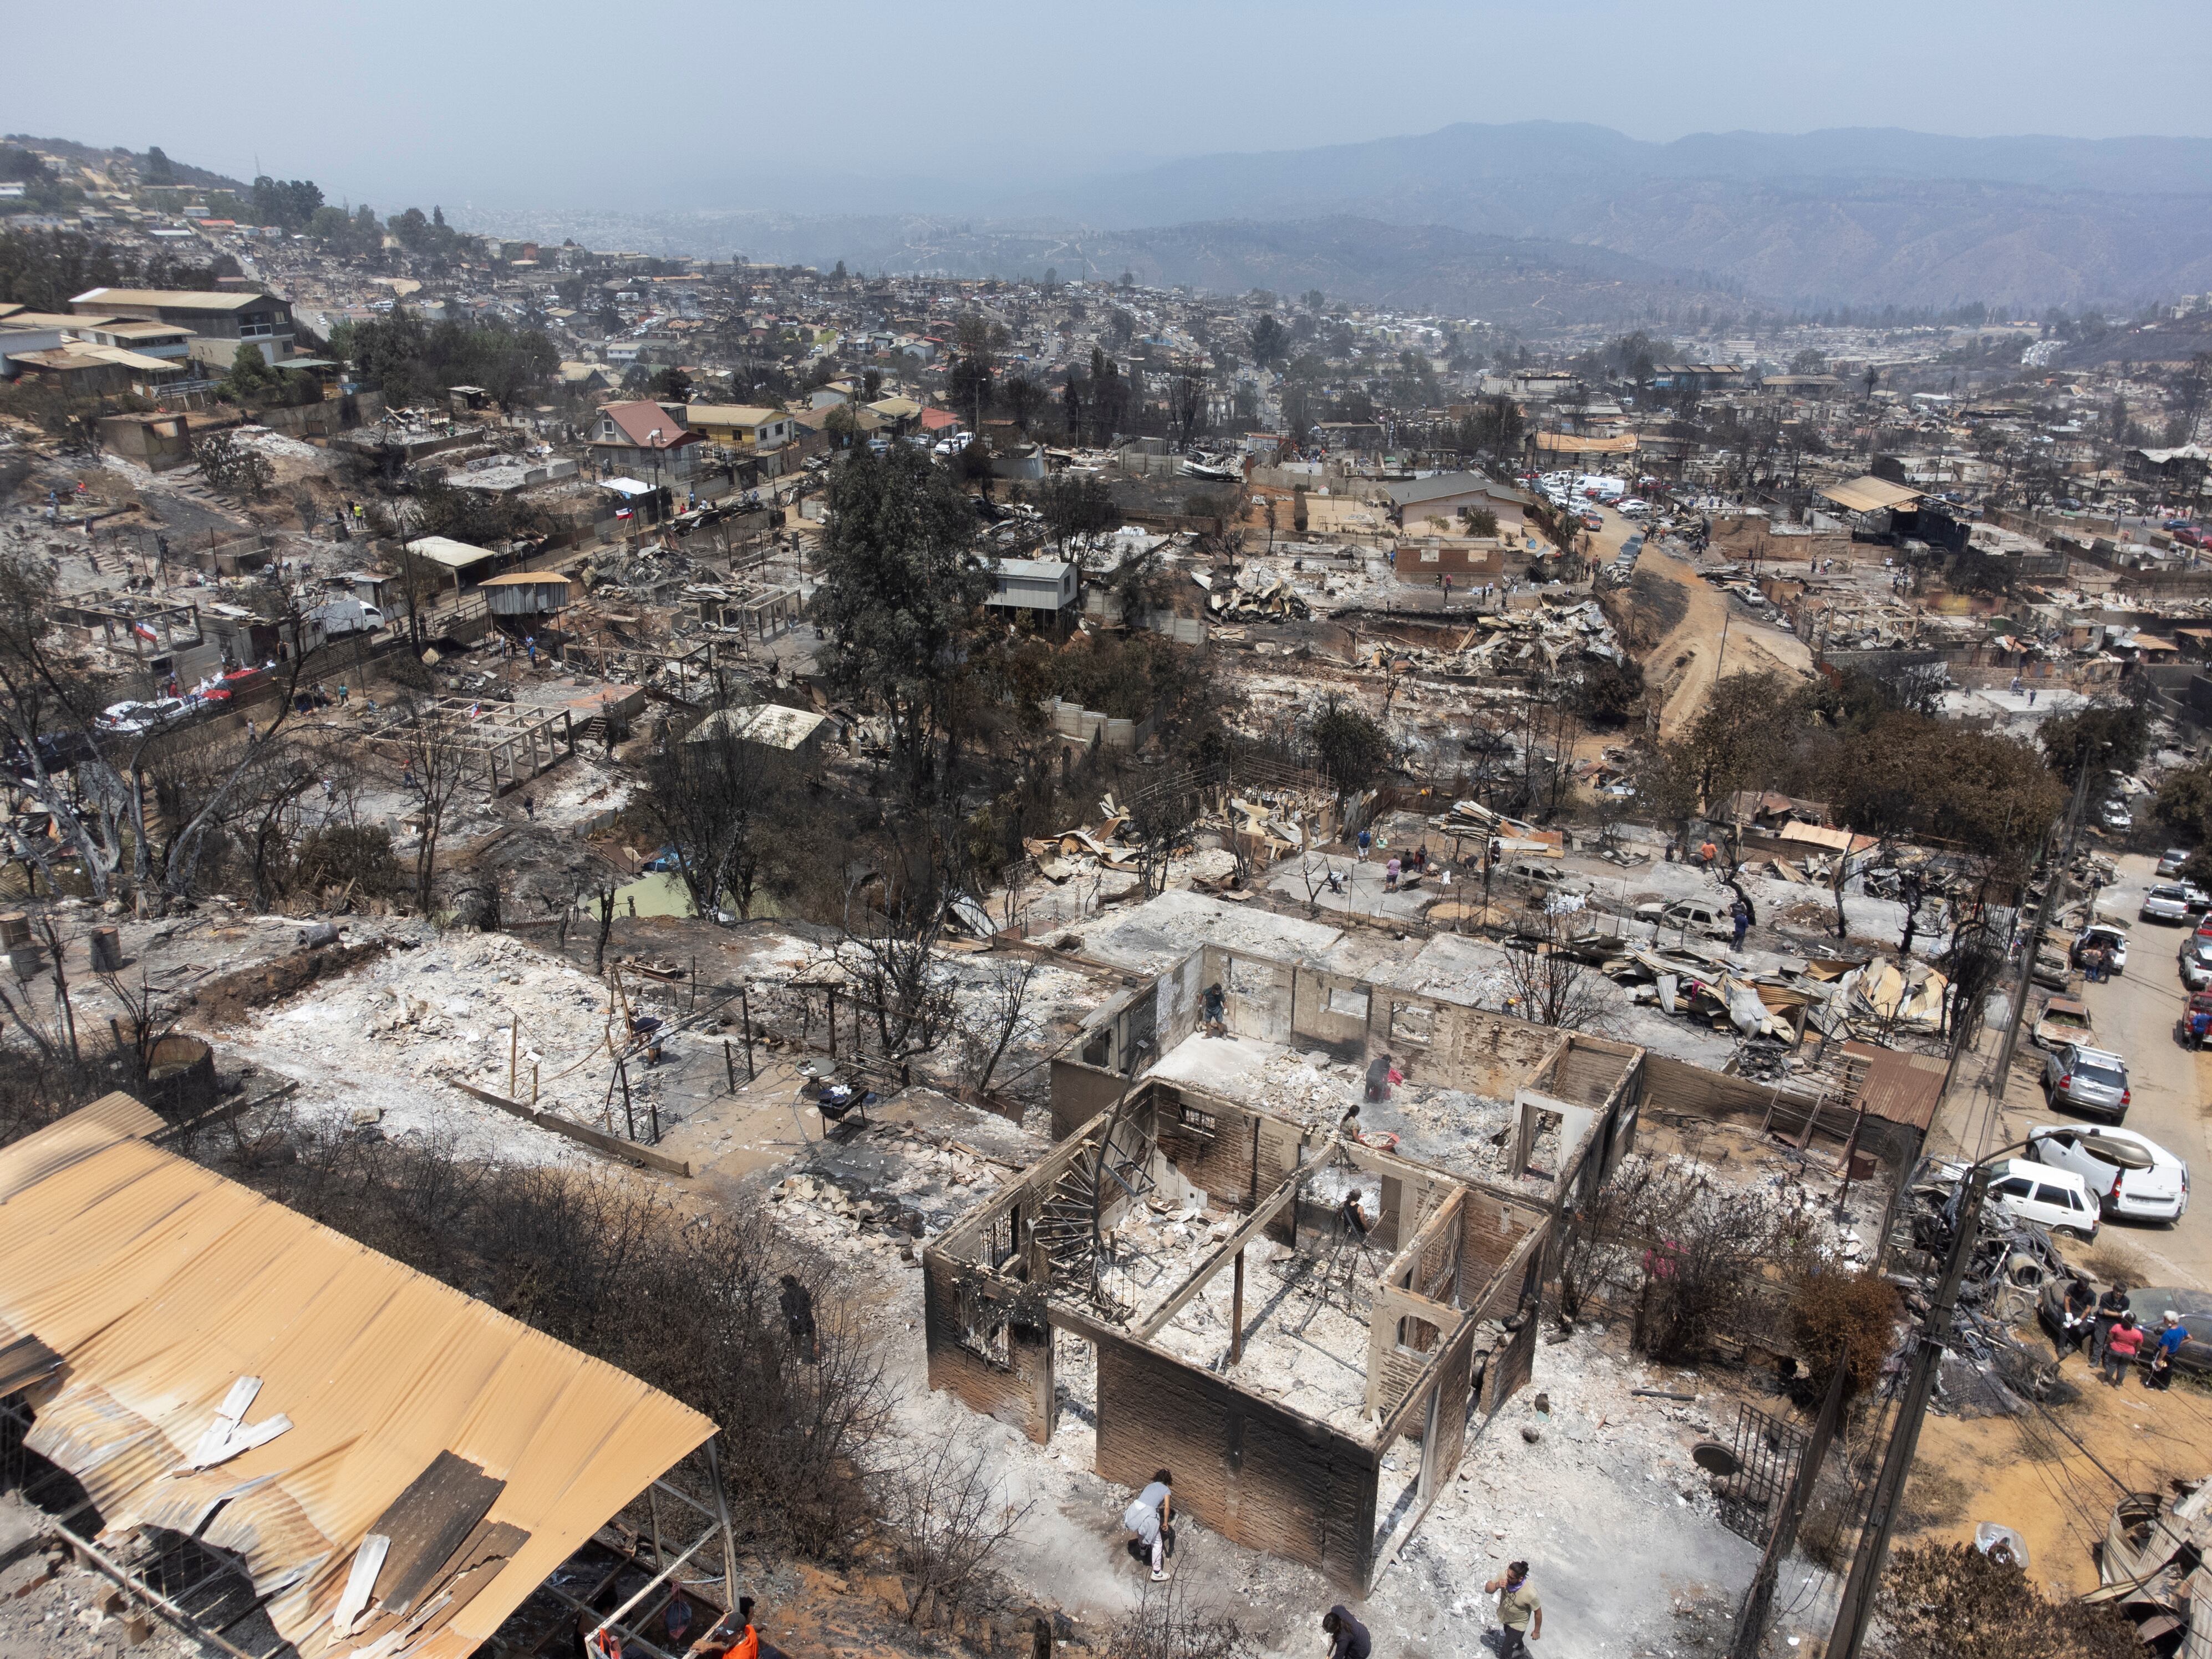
x,y
1697,615
1707,642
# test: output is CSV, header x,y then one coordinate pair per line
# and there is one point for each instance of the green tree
x,y
900,592
1270,341
1493,431
1076,504
671,384
2112,736
1740,736
1353,748
290,204
159,168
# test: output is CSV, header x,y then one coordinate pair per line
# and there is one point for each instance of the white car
x,y
2165,903
2046,1195
2133,1178
2196,962
2115,816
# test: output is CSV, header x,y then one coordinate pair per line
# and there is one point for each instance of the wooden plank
x,y
427,1522
1219,1256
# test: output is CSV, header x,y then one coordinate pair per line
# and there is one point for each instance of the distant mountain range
x,y
1555,222
1849,216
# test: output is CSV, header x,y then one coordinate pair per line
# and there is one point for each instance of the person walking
x,y
2111,1307
1347,1637
1741,915
2122,1344
1151,1517
1390,875
1364,841
1518,1610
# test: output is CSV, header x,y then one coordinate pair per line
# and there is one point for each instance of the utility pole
x,y
1857,1604
2052,900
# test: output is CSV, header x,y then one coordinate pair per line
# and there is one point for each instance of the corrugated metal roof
x,y
1900,1087
1869,495
160,1285
174,299
444,549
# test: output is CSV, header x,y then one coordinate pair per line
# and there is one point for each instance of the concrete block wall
x,y
1266,1477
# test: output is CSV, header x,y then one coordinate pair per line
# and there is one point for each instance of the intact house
x,y
647,441
1047,588
740,426
1444,495
219,322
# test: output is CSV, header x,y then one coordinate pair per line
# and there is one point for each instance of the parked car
x,y
2115,816
1693,915
2111,936
2196,963
2133,1178
2056,1198
2199,900
2165,903
2065,1023
134,717
2170,862
2093,1081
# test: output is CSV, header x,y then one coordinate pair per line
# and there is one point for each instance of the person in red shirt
x,y
2121,1347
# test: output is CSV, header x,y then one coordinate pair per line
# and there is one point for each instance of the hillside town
x,y
896,964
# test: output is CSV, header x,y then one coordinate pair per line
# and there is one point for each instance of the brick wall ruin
x,y
1264,1477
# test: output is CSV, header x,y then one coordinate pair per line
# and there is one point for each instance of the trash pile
x,y
2011,1272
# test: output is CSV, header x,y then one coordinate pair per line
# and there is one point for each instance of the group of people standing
x,y
2106,1325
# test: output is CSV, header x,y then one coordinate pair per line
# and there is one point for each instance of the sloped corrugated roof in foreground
x,y
144,1287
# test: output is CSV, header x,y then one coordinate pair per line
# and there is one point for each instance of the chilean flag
x,y
146,633
622,512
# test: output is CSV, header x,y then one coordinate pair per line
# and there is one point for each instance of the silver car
x,y
2165,902
2092,1081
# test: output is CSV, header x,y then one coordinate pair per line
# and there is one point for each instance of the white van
x,y
2036,1192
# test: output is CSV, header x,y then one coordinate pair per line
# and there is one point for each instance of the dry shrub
x,y
2114,1263
1846,1319
1692,1253
691,1305
949,1515
1165,1624
1951,1602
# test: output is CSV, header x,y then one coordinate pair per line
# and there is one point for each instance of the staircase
x,y
1067,1224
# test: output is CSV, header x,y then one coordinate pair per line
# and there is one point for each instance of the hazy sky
x,y
859,104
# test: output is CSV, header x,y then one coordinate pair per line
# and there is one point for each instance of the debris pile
x,y
2154,1563
1260,593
